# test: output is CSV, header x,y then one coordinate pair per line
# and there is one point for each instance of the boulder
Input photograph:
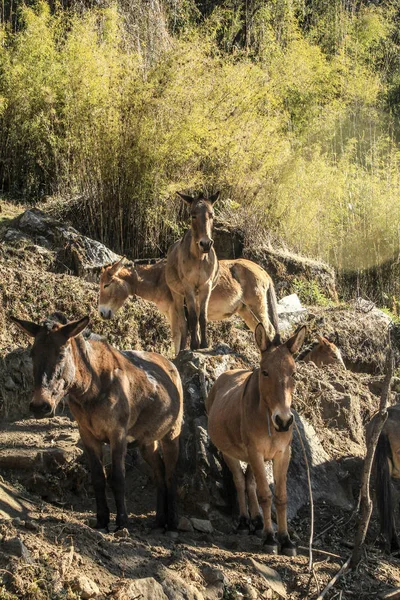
x,y
289,271
85,588
145,589
76,253
360,330
290,313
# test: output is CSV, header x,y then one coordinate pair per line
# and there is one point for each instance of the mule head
x,y
113,290
202,217
277,367
327,353
53,364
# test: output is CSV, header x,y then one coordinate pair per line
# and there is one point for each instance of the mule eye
x,y
193,216
106,285
265,373
211,215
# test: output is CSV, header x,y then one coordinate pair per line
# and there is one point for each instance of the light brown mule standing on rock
x,y
243,288
250,420
324,353
115,397
192,270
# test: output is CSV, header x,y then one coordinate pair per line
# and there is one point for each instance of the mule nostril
x,y
40,410
282,425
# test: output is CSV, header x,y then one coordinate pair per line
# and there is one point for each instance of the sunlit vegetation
x,y
289,108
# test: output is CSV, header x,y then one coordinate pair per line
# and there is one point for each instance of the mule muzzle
x,y
281,424
105,312
206,245
41,410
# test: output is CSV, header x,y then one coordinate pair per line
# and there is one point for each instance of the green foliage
x,y
310,293
288,107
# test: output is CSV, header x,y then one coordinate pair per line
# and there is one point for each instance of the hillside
x,y
47,548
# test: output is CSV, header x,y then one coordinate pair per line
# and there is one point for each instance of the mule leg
x,y
280,466
193,319
170,449
94,452
117,479
240,485
265,499
252,315
178,323
254,507
152,456
204,299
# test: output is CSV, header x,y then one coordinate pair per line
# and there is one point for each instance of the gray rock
x,y
76,253
16,547
177,588
145,589
212,575
185,524
85,587
290,313
214,591
202,525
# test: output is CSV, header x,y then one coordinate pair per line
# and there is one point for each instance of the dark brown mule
x,y
115,398
242,288
324,353
192,270
387,465
250,420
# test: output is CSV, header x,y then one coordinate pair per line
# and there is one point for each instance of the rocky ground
x,y
48,550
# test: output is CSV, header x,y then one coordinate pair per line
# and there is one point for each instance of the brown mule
x,y
115,398
324,353
250,420
242,288
192,271
386,466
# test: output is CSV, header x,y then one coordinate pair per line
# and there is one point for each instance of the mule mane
x,y
56,318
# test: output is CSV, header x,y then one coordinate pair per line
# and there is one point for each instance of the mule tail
x,y
272,307
384,499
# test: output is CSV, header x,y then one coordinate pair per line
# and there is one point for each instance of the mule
x,y
250,420
192,271
115,397
324,353
386,466
242,288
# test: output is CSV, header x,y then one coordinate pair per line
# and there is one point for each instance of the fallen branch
x,y
332,582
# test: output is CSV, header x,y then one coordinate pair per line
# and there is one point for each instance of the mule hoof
x,y
243,527
257,525
270,545
289,551
270,548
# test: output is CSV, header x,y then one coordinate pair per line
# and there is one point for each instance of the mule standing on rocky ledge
x,y
192,270
250,420
115,397
243,288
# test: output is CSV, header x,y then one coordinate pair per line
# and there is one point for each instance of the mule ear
x,y
117,266
261,336
214,197
32,329
187,199
74,328
296,341
321,339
